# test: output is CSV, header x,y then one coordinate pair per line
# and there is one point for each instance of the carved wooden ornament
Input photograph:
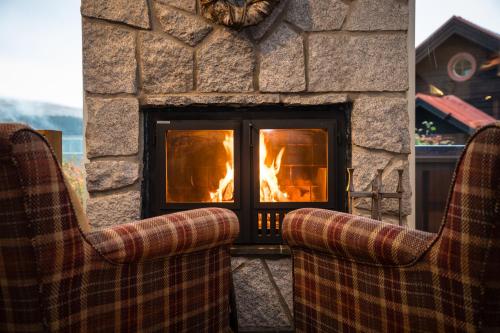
x,y
231,14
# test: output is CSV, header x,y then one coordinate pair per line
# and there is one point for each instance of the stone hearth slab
x,y
263,288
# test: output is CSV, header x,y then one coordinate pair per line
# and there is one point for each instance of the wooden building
x,y
460,59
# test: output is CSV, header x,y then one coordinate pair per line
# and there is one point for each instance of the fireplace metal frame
x,y
244,121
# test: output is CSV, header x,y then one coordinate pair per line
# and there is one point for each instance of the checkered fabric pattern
x,y
354,274
165,274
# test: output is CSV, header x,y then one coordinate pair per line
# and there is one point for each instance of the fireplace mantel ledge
x,y
243,99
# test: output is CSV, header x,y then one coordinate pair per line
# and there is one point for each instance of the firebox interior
x,y
293,165
200,166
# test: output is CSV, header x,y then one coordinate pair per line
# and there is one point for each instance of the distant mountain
x,y
42,115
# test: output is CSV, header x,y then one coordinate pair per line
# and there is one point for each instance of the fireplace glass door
x,y
293,165
293,161
200,166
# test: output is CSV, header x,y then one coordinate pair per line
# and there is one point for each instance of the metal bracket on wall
x,y
376,194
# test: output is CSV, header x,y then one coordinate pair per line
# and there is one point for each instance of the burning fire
x,y
269,186
226,185
297,182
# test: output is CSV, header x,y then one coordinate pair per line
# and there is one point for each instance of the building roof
x,y
459,26
455,111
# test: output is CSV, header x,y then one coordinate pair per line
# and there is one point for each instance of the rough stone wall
x,y
161,52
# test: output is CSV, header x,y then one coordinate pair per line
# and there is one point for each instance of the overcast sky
x,y
431,14
40,43
40,50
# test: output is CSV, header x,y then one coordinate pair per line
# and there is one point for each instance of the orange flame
x,y
225,191
269,186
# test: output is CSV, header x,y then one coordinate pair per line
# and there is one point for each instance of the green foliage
x,y
426,135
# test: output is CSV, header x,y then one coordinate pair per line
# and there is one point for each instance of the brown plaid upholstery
x,y
358,275
165,274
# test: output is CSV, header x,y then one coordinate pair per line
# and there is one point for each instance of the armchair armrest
x,y
167,235
354,238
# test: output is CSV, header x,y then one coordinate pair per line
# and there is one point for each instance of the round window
x,y
461,67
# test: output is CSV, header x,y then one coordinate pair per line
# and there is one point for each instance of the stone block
x,y
112,126
257,300
366,162
226,62
368,15
189,28
133,13
317,15
381,123
281,271
187,5
166,66
282,66
107,175
258,31
314,99
109,65
236,262
346,62
114,209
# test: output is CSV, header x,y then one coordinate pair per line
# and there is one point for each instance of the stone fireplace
x,y
159,62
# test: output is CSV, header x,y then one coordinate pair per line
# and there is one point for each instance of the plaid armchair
x,y
359,275
164,274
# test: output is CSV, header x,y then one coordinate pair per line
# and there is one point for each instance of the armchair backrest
x,y
36,218
470,234
474,194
